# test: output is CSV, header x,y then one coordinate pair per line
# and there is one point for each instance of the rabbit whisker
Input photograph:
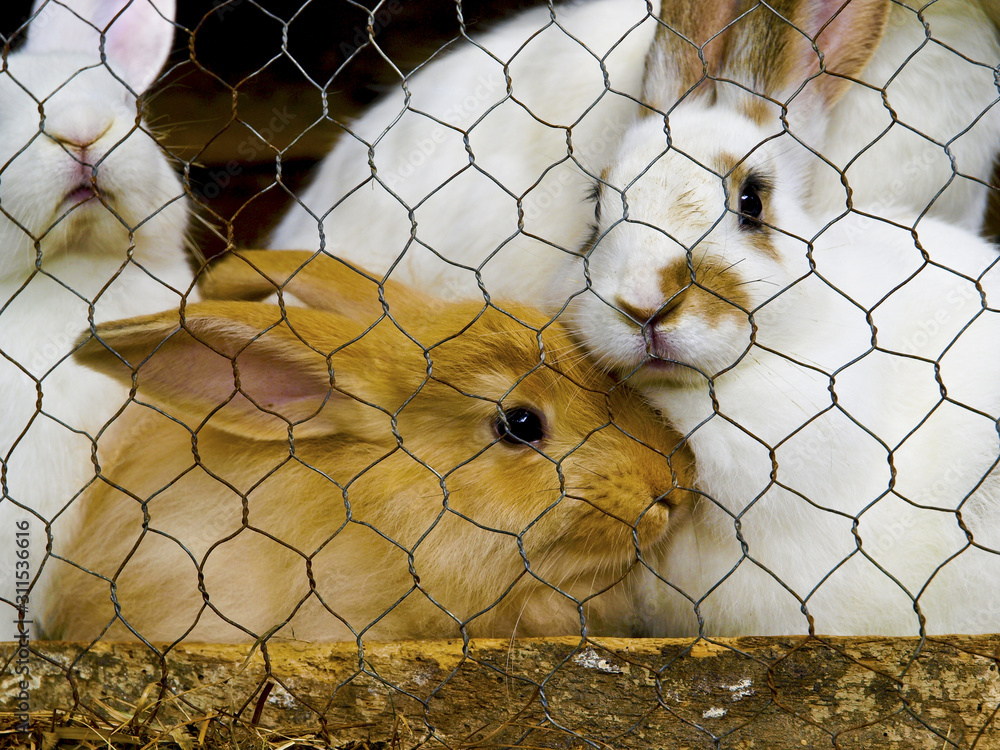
x,y
596,473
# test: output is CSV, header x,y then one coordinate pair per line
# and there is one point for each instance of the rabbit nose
x,y
77,133
649,317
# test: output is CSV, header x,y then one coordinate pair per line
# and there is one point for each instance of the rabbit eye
x,y
595,196
756,187
751,205
519,426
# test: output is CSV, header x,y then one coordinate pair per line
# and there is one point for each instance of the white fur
x,y
832,461
943,93
772,386
466,212
61,249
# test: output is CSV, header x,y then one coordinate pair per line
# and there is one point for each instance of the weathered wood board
x,y
545,693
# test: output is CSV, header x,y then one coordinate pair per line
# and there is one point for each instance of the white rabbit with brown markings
x,y
337,471
92,227
836,383
926,97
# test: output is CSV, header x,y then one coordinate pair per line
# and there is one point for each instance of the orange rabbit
x,y
335,471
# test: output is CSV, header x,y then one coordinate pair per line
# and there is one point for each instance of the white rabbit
x,y
940,83
93,223
466,214
938,80
823,441
353,482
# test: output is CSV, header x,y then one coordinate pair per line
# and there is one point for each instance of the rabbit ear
x,y
846,33
802,53
138,33
688,46
319,280
283,368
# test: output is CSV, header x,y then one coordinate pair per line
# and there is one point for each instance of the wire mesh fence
x,y
579,321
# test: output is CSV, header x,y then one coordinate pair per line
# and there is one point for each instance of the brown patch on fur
x,y
717,292
687,204
725,163
771,48
756,48
756,109
672,56
763,242
645,112
674,65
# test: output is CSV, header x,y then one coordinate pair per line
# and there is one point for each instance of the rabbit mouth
x,y
664,356
651,359
80,194
666,366
657,356
85,197
656,366
660,363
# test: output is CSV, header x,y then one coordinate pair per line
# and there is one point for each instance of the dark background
x,y
234,47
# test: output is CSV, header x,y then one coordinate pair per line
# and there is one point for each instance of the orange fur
x,y
715,293
310,518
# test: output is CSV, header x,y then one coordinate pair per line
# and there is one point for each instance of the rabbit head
x,y
452,446
80,175
701,218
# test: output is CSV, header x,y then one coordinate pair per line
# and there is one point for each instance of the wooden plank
x,y
549,693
